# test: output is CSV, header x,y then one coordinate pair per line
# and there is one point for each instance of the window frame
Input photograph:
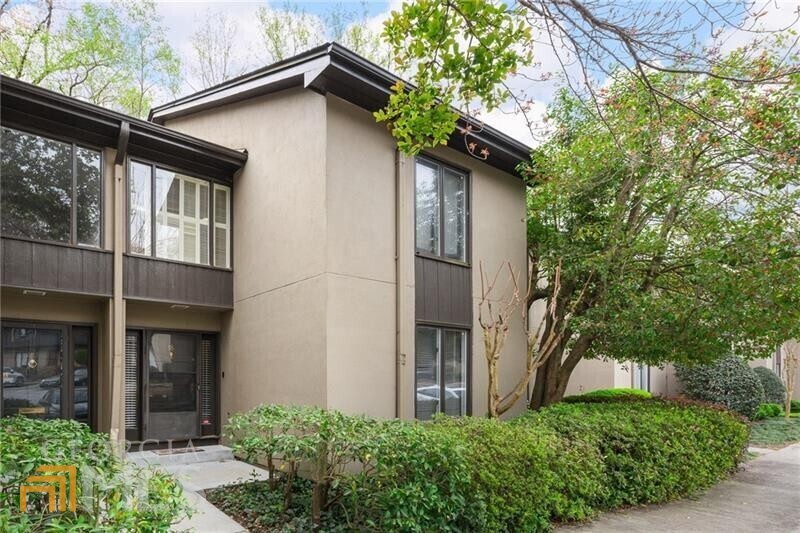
x,y
442,166
440,329
153,165
73,215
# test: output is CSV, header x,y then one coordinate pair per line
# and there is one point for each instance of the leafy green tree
x,y
115,55
667,206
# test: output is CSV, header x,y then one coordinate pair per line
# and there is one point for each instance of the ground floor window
x,y
37,360
441,370
641,376
170,385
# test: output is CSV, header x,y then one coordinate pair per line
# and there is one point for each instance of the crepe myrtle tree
x,y
671,221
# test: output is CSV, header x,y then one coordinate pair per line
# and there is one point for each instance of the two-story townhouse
x,y
177,284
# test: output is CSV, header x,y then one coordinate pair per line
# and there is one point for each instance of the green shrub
x,y
774,391
652,450
524,475
795,406
112,495
606,395
473,474
768,410
385,475
728,381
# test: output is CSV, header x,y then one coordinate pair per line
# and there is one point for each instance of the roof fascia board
x,y
46,105
304,72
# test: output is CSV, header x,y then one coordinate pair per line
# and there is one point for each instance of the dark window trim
x,y
73,237
440,326
68,341
442,164
211,222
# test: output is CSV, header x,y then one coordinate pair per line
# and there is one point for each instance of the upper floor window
x,y
441,210
49,190
169,216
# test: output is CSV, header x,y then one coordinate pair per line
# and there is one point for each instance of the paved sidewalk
x,y
198,477
764,497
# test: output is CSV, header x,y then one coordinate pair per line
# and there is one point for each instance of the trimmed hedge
x,y
728,381
562,463
795,406
774,391
112,495
652,450
605,395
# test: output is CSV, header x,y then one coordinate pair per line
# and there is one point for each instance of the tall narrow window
x,y
88,176
45,185
441,210
441,371
175,222
139,211
222,226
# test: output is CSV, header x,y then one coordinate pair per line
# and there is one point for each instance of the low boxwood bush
x,y
606,395
795,406
774,391
728,381
562,463
768,410
112,495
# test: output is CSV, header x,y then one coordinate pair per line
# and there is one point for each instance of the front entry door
x,y
36,359
172,386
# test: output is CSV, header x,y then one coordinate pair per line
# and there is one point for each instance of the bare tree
x,y
791,363
290,30
495,316
214,45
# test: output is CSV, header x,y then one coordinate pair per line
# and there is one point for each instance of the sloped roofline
x,y
25,105
332,68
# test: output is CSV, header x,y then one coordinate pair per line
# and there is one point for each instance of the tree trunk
x,y
545,388
553,377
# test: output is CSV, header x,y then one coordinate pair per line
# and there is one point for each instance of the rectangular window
x,y
169,216
139,212
49,190
441,371
441,210
181,217
222,225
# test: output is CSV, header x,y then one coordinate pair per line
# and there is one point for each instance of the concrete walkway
x,y
764,497
196,478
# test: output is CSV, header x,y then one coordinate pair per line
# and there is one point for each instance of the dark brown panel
x,y
47,266
152,279
443,292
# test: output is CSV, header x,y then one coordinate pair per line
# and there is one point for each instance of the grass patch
x,y
776,432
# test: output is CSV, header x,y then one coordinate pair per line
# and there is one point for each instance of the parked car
x,y
81,378
52,401
12,378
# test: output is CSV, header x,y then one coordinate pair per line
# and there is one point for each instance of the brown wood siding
x,y
46,266
166,281
443,292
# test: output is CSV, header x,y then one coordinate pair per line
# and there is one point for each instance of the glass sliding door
x,y
37,360
173,408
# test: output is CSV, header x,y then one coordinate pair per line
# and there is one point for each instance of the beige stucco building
x,y
260,241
